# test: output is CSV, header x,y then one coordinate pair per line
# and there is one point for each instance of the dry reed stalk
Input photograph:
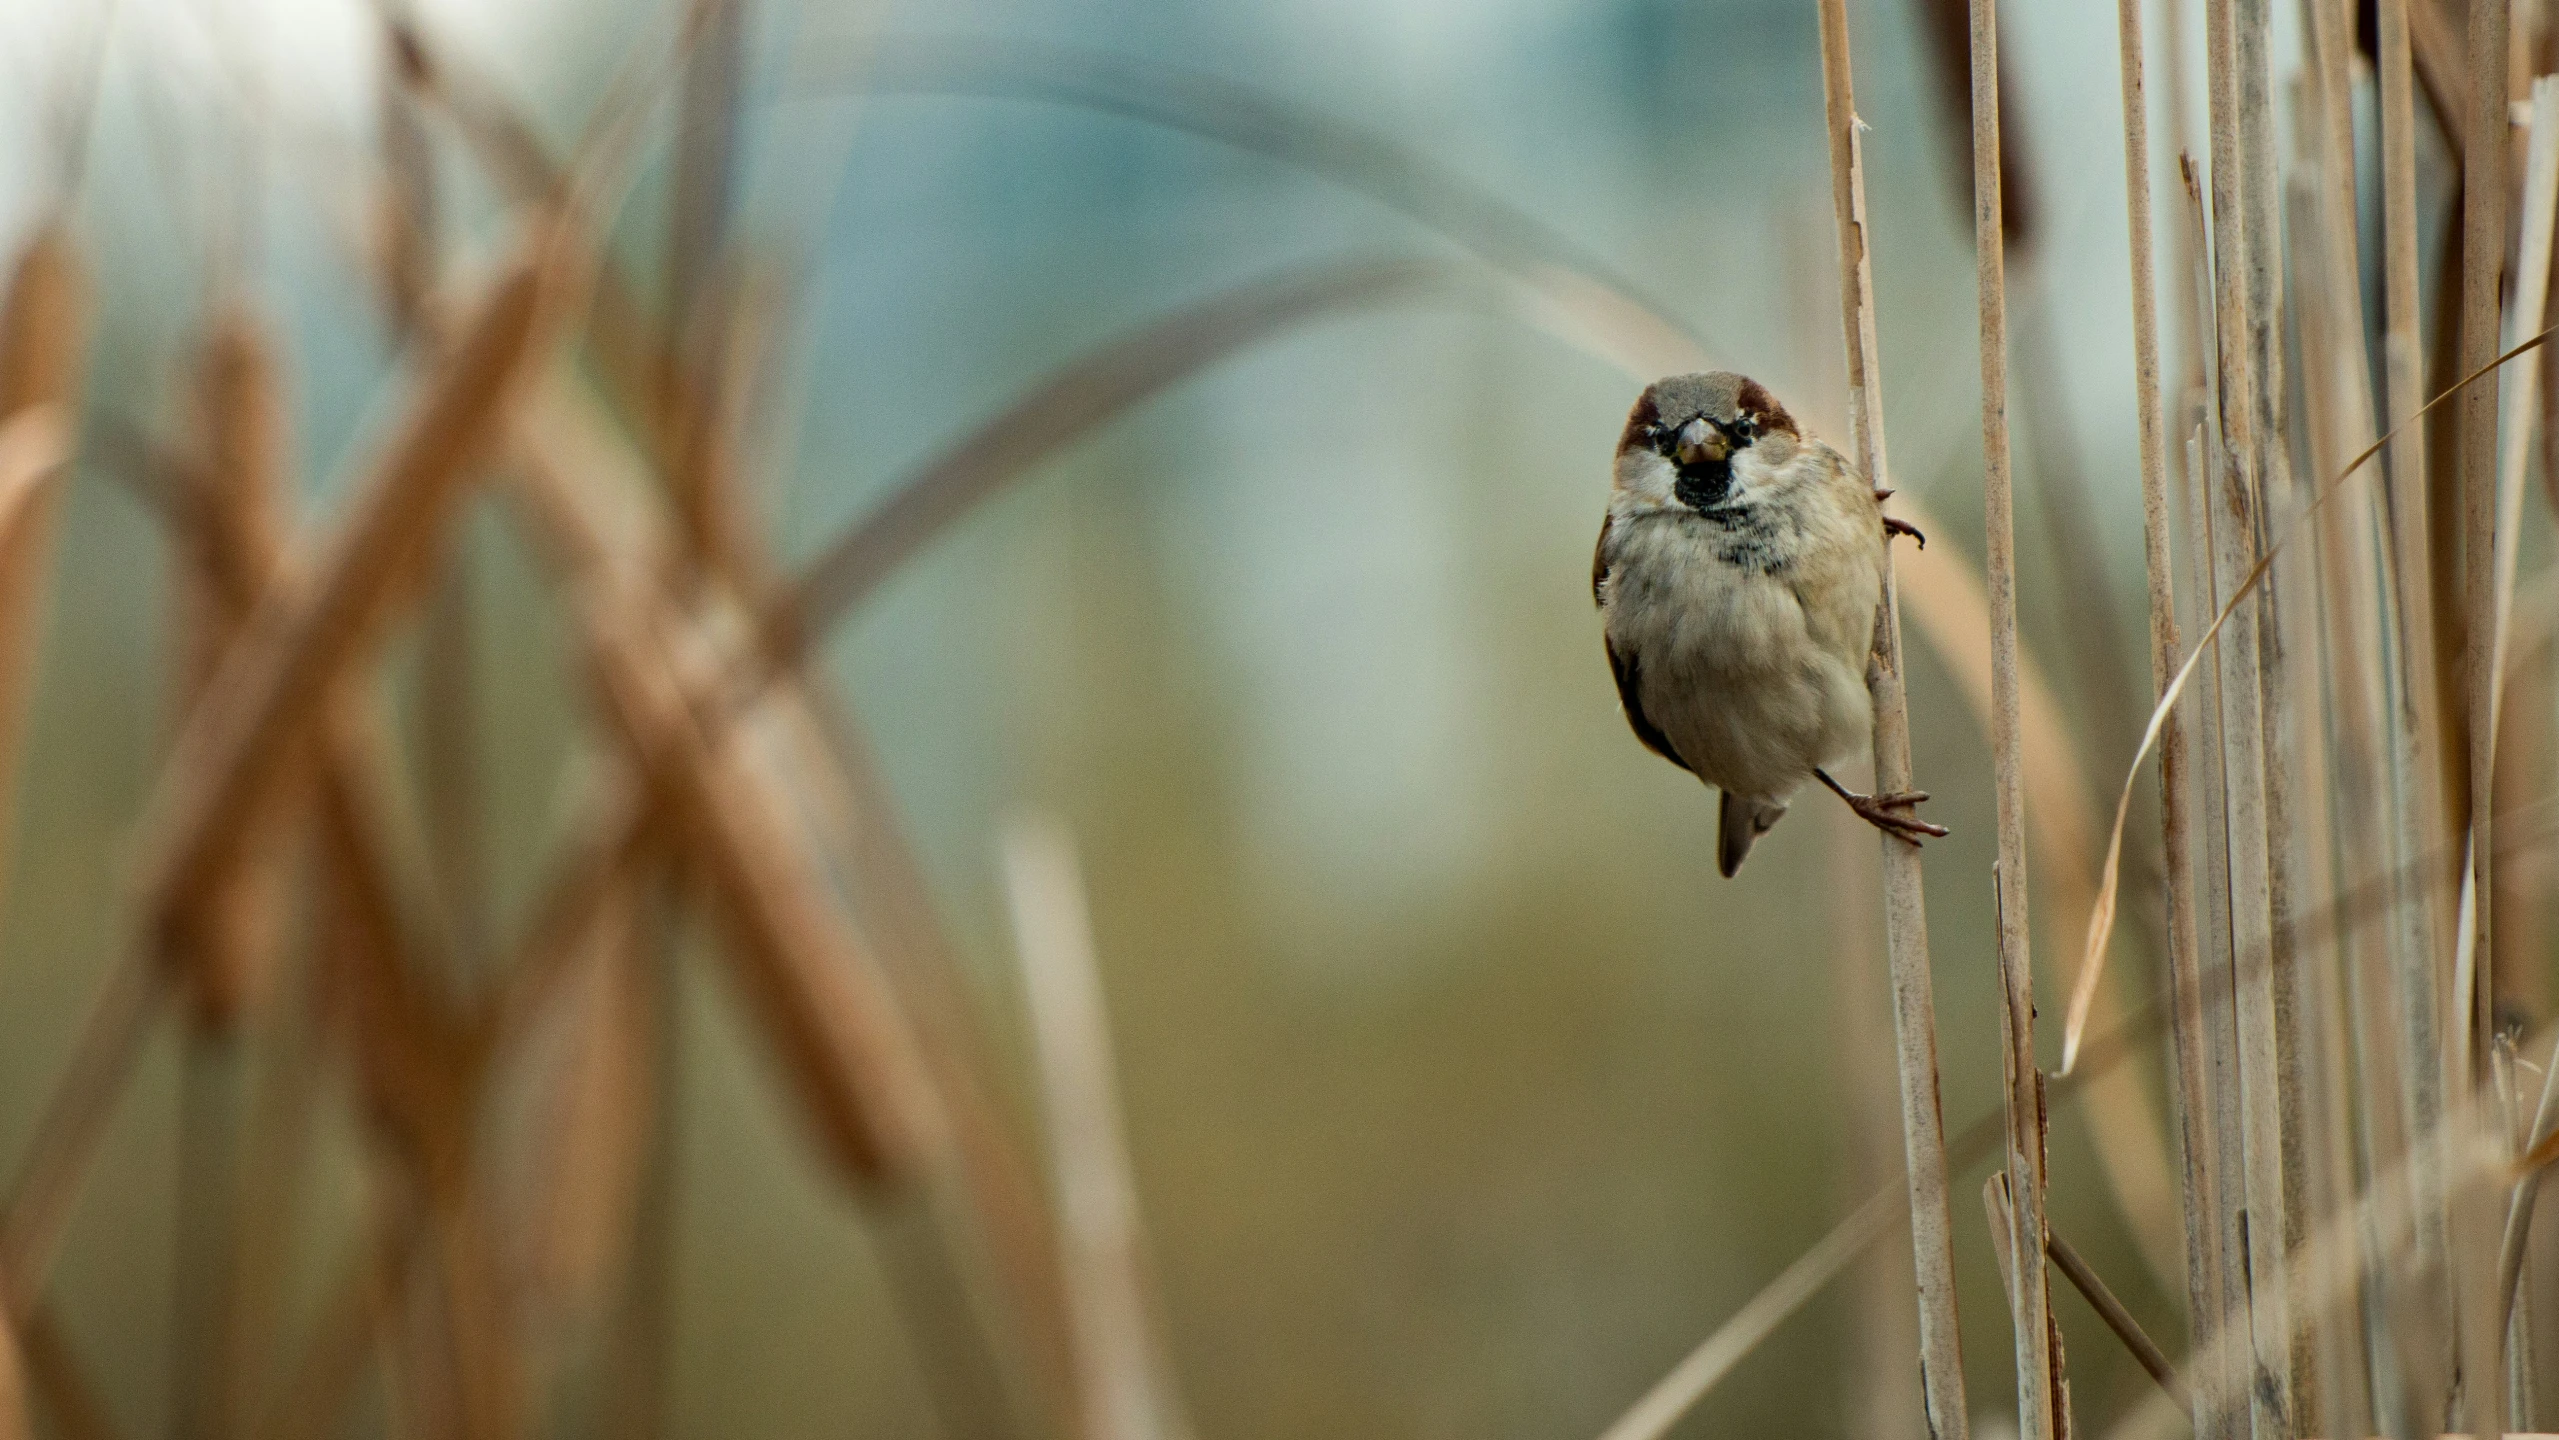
x,y
2271,1017
2029,1305
1949,607
1885,1328
690,393
2416,799
246,440
300,638
2521,383
810,985
2253,1113
409,217
2230,608
2484,227
842,1039
996,1185
2484,224
2199,1189
2442,67
1123,1377
43,350
69,1128
2215,1031
1905,910
2092,1287
234,930
1720,1352
2527,1189
2315,1286
2333,746
886,885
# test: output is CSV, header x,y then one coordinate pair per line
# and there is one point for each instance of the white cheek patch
x,y
1646,476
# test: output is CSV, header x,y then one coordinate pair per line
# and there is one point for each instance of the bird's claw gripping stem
x,y
1884,811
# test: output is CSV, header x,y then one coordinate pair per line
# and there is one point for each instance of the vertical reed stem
x,y
2185,975
2029,1303
2483,250
1941,1365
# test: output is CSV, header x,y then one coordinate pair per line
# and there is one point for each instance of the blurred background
x,y
1461,1097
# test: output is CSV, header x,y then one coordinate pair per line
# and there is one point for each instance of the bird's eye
x,y
1745,427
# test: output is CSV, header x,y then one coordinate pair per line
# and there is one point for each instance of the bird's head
x,y
1709,442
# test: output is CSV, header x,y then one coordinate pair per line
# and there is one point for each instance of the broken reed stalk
x,y
2185,975
2092,1287
2029,1303
1905,910
1123,1377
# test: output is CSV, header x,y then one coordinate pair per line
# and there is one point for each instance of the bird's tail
x,y
1743,821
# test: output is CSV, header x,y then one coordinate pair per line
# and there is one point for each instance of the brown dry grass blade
x,y
302,636
1077,400
813,989
245,439
43,334
2101,920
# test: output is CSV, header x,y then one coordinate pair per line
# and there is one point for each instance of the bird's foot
x,y
1893,527
1884,811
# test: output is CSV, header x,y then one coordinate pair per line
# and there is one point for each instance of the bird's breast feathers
x,y
1748,629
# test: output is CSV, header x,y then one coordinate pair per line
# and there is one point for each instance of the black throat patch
x,y
1752,538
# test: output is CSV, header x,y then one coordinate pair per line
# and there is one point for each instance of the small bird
x,y
1738,575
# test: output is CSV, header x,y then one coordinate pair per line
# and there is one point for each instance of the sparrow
x,y
1738,576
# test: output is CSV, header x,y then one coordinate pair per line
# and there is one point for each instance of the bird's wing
x,y
1599,560
1630,695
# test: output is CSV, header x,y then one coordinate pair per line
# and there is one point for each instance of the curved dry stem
x,y
2524,830
1076,401
1231,113
2101,921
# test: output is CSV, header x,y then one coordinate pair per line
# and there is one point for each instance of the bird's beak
x,y
1700,443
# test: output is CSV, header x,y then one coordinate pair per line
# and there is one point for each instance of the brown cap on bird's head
x,y
1719,397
